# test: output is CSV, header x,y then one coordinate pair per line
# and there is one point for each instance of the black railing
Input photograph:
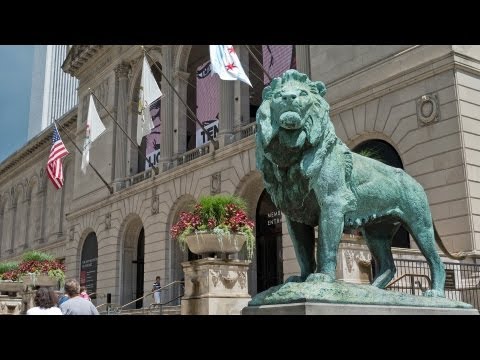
x,y
462,281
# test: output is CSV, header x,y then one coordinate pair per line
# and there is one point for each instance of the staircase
x,y
166,310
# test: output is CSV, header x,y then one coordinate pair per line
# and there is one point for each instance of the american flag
x,y
54,163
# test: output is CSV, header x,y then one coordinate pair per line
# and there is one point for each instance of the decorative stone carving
x,y
228,280
349,256
108,220
155,202
216,183
362,260
122,70
242,279
71,234
428,109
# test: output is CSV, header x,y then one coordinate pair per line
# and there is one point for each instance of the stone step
x,y
166,310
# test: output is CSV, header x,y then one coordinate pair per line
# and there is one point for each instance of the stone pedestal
x,y
353,260
215,287
351,309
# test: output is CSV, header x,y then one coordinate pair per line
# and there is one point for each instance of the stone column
x,y
227,113
28,203
42,195
303,59
180,123
13,209
1,227
121,73
166,136
242,91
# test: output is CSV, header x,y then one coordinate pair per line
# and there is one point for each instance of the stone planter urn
x,y
39,280
208,242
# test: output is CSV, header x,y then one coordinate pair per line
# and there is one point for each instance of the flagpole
x,y
81,153
128,137
258,62
210,137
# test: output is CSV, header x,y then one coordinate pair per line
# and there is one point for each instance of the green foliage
x,y
35,255
221,214
8,266
58,274
371,153
216,207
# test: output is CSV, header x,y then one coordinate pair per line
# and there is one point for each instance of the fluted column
x,y
227,113
121,73
166,139
28,204
242,91
13,210
180,117
303,59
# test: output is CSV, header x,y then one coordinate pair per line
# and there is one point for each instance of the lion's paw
x,y
294,278
434,293
320,277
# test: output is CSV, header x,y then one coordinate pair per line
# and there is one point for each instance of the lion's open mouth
x,y
290,120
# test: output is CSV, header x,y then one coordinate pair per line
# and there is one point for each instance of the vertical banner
x,y
277,59
208,102
152,151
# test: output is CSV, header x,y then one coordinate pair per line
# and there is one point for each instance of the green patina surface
x,y
314,178
339,292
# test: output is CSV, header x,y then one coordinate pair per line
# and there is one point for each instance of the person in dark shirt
x,y
156,290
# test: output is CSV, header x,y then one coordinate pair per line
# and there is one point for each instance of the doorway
x,y
269,259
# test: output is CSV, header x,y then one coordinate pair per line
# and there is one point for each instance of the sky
x,y
15,84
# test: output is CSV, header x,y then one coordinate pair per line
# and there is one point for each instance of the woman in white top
x,y
46,302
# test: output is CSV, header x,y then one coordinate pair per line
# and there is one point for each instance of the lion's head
x,y
293,115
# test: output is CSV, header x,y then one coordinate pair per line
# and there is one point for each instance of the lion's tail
x,y
456,256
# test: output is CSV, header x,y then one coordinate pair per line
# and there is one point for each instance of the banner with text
x,y
152,151
277,59
208,103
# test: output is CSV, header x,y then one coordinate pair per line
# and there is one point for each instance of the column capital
x,y
122,70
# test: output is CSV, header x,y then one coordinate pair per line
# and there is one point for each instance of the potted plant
x,y
217,223
36,268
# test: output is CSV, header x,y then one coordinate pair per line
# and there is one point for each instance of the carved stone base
x,y
10,305
215,287
350,309
353,260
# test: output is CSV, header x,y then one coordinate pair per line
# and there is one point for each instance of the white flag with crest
x,y
94,129
226,64
149,92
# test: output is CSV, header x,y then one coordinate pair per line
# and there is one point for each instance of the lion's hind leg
x,y
379,240
422,232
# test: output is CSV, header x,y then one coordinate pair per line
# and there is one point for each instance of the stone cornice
x,y
164,177
449,61
40,141
77,57
400,80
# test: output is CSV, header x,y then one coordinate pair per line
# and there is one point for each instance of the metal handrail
x,y
161,305
411,275
150,293
112,305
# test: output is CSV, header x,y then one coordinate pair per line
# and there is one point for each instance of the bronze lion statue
x,y
314,178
